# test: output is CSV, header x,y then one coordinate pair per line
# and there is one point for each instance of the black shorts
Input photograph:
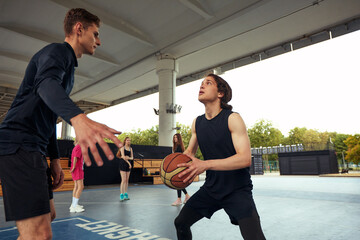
x,y
124,166
26,184
238,205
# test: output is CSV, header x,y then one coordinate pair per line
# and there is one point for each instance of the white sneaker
x,y
78,205
76,209
176,203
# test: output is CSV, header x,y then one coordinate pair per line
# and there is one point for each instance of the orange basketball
x,y
169,170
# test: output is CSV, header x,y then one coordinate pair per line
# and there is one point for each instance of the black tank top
x,y
127,153
215,142
178,149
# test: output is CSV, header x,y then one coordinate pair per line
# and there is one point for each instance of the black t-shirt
x,y
215,142
42,97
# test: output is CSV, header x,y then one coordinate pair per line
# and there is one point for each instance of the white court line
x,y
65,220
117,203
57,221
9,229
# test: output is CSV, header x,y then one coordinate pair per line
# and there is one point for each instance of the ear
x,y
78,28
220,94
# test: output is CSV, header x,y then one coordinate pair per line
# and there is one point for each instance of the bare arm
x,y
131,155
118,154
122,153
193,144
241,159
88,133
74,164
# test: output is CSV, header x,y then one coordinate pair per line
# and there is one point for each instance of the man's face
x,y
208,90
89,39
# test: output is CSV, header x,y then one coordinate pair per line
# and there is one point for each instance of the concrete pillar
x,y
166,69
66,131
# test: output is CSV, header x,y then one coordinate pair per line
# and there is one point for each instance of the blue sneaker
x,y
122,197
126,196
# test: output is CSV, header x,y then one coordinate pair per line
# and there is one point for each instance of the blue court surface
x,y
290,207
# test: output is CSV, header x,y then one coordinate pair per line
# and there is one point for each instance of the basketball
x,y
169,171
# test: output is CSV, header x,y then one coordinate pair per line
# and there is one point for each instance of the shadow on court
x,y
290,207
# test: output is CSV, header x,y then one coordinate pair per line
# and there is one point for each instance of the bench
x,y
68,184
152,165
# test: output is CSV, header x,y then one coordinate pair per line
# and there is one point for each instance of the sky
x,y
316,87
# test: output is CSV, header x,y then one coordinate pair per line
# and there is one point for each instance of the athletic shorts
x,y
77,174
238,205
26,185
124,166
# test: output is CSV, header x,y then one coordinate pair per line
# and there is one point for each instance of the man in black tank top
x,y
222,137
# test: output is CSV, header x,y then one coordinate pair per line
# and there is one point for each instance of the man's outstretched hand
x,y
88,133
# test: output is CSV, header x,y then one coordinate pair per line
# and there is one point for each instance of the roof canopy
x,y
200,34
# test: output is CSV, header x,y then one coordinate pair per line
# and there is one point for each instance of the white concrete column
x,y
166,69
66,131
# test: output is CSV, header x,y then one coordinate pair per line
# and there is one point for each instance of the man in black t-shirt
x,y
222,137
29,128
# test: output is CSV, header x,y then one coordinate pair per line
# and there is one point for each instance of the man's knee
x,y
45,235
177,222
42,232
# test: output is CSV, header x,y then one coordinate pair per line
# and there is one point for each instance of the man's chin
x,y
90,52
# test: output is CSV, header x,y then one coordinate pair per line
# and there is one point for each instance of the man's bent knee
x,y
40,236
38,227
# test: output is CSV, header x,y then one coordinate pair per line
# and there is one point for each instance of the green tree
x,y
296,136
353,152
313,140
143,137
340,145
264,134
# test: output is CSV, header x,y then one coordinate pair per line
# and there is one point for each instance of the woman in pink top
x,y
77,173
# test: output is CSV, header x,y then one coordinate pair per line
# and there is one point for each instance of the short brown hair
x,y
224,88
75,15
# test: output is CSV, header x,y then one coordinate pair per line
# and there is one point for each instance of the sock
x,y
75,202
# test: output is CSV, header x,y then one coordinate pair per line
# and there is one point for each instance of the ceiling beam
x,y
115,22
40,35
11,74
6,90
15,56
23,58
198,8
20,76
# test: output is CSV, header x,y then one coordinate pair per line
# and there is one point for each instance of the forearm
x,y
237,161
74,164
128,162
191,150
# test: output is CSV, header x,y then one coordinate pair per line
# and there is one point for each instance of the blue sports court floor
x,y
290,207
